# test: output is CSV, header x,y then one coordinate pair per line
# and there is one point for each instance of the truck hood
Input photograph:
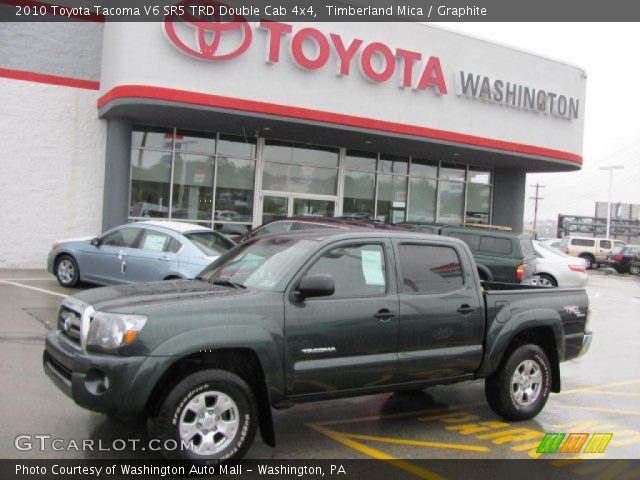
x,y
126,298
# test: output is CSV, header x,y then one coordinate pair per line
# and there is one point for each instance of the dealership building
x,y
233,125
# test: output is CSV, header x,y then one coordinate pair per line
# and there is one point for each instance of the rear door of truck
x,y
441,327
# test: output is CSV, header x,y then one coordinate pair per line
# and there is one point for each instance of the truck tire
x,y
519,389
215,410
590,261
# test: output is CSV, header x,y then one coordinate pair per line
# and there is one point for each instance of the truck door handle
x,y
465,309
384,314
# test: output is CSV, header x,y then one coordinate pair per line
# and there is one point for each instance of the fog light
x,y
96,382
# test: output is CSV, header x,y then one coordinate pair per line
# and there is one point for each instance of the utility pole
x,y
537,186
611,168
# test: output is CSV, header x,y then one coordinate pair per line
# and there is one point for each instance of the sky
x,y
608,53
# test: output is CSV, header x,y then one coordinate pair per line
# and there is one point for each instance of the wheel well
x,y
587,254
241,361
555,280
172,277
545,339
61,254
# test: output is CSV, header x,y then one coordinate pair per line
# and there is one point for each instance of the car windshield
x,y
260,263
210,243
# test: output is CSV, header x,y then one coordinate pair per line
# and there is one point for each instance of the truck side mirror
x,y
95,242
316,286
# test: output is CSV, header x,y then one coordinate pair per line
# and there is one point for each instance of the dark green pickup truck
x,y
307,316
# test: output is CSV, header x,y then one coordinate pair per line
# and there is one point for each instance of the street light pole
x,y
611,168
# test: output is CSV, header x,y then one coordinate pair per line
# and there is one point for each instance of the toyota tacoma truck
x,y
309,316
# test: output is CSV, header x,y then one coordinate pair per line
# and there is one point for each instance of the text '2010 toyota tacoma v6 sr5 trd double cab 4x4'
x,y
308,316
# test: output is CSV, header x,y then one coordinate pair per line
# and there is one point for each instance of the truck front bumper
x,y
96,382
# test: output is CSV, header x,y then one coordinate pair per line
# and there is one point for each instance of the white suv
x,y
593,250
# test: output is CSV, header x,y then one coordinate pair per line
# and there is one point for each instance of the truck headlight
x,y
109,331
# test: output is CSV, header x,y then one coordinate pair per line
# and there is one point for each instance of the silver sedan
x,y
137,252
554,268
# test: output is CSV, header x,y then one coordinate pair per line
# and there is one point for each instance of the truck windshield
x,y
260,263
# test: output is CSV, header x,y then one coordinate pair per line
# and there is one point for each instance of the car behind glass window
x,y
429,269
358,270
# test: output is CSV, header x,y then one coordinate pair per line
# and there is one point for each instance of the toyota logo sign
x,y
208,31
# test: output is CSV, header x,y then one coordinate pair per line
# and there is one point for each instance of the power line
x,y
537,197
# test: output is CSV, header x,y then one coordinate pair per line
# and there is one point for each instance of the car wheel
x,y
546,280
634,269
589,261
67,271
211,415
519,389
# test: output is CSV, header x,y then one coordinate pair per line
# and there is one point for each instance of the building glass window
x,y
150,183
359,194
192,187
364,161
451,194
422,190
156,138
300,168
392,198
236,146
188,141
478,206
234,190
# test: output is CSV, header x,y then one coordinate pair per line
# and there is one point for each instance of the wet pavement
x,y
601,394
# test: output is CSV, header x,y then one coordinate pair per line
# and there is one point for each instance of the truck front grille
x,y
69,324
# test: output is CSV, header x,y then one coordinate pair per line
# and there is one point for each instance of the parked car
x,y
308,316
282,225
500,255
593,250
552,242
137,252
634,265
557,269
620,258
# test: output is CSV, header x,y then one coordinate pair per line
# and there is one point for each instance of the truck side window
x,y
605,244
472,241
429,269
497,245
358,270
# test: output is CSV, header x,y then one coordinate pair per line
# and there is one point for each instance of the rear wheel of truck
x,y
211,415
519,389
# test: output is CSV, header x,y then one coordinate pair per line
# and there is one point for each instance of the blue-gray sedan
x,y
137,252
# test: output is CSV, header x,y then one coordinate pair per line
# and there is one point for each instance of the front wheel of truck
x,y
210,415
519,389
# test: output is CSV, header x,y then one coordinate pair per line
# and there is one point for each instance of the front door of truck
x,y
349,339
441,312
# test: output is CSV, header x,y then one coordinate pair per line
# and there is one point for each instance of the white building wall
x,y
52,162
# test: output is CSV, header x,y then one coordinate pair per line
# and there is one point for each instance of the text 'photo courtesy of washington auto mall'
x,y
317,239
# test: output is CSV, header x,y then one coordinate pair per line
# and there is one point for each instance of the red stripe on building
x,y
39,5
49,79
217,101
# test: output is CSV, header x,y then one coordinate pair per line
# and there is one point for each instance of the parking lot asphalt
x,y
600,394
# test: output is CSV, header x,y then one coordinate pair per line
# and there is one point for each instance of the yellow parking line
x,y
416,443
596,387
621,394
599,409
377,454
